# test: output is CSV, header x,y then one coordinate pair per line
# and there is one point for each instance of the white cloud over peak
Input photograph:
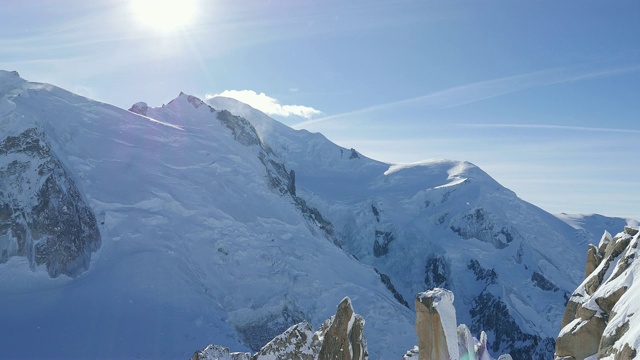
x,y
267,104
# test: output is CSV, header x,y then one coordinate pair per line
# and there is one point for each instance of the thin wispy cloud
x,y
550,127
483,90
267,104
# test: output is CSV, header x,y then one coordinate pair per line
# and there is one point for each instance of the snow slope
x,y
221,229
440,223
197,245
592,226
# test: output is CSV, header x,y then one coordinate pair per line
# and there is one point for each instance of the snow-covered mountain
x,y
592,226
203,225
602,318
202,236
441,224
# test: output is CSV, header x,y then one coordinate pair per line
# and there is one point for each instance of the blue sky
x,y
543,95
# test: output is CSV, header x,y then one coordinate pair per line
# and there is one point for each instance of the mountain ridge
x,y
192,200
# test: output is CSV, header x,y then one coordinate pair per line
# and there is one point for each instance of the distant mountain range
x,y
154,231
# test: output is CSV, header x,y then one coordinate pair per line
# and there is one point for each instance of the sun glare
x,y
164,15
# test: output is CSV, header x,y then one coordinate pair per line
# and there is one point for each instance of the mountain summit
x,y
152,232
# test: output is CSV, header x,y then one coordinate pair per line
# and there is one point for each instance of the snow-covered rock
x,y
439,336
436,325
344,338
601,317
201,228
43,215
444,224
298,342
339,338
217,352
228,220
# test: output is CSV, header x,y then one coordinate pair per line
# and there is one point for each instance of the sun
x,y
164,15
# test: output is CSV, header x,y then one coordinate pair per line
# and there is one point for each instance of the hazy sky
x,y
543,95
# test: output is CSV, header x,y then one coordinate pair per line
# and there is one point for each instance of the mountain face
x,y
339,337
203,235
601,319
440,224
212,223
43,216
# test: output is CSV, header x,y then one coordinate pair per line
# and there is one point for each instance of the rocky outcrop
x,y
438,336
297,342
43,215
490,313
382,242
387,282
139,108
344,340
483,226
437,273
602,316
257,333
341,337
217,352
278,177
436,325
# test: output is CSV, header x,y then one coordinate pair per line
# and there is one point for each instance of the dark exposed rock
x,y
219,352
382,242
278,177
482,227
291,186
491,314
376,212
387,282
258,333
542,282
242,129
445,196
140,108
340,337
631,231
284,181
316,218
43,215
482,274
436,273
442,218
297,343
196,102
344,340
